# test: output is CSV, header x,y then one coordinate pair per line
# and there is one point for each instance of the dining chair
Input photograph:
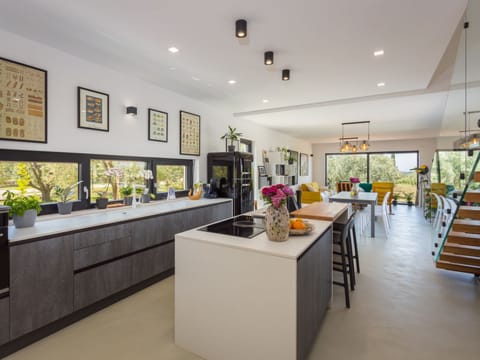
x,y
382,211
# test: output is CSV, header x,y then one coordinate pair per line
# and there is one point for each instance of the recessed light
x,y
378,52
195,78
172,68
381,84
173,49
231,82
265,101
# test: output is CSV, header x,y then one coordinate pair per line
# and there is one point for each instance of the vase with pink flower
x,y
355,186
277,218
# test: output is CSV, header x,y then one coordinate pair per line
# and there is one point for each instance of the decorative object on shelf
x,y
268,58
233,136
197,192
285,153
241,28
23,208
65,195
189,134
157,125
346,146
286,74
171,193
132,111
23,102
93,110
303,164
355,186
277,224
127,192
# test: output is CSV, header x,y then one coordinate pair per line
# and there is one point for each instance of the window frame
x,y
83,161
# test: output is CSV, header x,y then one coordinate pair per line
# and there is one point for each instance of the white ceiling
x,y
327,44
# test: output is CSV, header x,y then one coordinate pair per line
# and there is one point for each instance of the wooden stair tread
x,y
459,259
463,238
476,176
456,267
469,212
472,196
459,249
463,234
467,226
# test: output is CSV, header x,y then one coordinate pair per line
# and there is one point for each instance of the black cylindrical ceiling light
x,y
241,28
285,74
268,58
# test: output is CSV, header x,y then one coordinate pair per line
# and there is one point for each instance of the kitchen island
x,y
251,298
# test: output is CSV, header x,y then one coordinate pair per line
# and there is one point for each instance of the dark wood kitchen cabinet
x,y
4,320
41,283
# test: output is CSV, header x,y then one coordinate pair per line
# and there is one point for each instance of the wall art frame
x,y
189,133
157,125
23,102
303,164
93,109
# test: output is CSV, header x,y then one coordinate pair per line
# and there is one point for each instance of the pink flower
x,y
354,180
276,194
277,199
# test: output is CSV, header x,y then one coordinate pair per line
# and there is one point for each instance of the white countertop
x,y
293,248
56,224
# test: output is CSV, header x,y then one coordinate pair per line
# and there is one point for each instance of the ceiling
x,y
327,44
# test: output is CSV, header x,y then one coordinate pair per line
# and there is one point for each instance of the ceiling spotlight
x,y
285,74
173,49
379,52
241,28
265,101
268,58
381,84
231,82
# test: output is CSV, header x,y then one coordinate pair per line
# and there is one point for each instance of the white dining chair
x,y
382,211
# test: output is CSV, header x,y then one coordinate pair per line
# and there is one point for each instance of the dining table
x,y
363,197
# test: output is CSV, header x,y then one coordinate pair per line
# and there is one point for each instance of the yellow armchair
x,y
439,189
310,193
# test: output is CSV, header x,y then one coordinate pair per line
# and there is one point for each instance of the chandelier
x,y
351,143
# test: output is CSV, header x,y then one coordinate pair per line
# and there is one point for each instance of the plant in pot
x,y
231,135
126,192
395,197
65,194
285,154
409,198
23,208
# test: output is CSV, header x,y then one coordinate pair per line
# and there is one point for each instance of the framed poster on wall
x,y
157,125
303,164
189,134
23,102
93,110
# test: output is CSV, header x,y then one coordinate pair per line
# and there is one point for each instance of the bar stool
x,y
343,239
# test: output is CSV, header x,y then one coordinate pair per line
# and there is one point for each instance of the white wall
x,y
425,147
127,136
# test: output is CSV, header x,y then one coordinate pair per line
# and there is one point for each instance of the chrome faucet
x,y
134,200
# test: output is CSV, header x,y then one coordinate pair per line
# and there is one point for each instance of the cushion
x,y
366,187
310,187
315,186
304,187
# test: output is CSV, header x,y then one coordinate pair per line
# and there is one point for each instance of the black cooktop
x,y
243,226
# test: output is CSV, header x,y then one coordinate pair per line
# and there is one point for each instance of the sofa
x,y
311,192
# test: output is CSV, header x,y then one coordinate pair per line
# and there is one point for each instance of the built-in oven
x,y
4,257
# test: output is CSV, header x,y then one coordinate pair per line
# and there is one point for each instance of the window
x,y
343,167
245,145
448,164
40,171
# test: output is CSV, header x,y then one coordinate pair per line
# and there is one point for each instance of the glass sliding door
x,y
342,167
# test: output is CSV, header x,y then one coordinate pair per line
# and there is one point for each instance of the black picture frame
x,y
17,88
82,116
189,133
152,133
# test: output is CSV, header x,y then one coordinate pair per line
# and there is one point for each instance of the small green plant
x,y
20,203
65,194
232,135
126,191
285,152
396,196
139,191
409,196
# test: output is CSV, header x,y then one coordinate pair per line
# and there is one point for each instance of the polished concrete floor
x,y
403,308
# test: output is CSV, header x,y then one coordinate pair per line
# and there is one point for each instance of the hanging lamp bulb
x,y
354,148
364,145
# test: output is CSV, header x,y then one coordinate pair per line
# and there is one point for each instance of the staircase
x,y
460,246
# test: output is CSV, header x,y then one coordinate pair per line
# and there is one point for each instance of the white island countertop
x,y
49,225
293,248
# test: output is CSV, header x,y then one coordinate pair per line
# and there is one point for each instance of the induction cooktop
x,y
243,226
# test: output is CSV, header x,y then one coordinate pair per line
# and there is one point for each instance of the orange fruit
x,y
299,225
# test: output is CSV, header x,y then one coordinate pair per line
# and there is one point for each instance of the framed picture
x,y
262,171
93,109
189,134
303,164
23,102
157,125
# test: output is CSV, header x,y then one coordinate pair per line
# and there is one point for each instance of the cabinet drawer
x,y
4,320
102,235
154,231
102,281
153,262
92,255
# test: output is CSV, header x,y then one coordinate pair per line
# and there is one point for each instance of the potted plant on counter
x,y
231,135
23,208
126,192
65,195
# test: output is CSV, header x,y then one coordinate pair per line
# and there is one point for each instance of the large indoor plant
x,y
233,135
277,224
23,208
65,195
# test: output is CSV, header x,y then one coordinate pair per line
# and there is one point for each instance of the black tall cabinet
x,y
232,174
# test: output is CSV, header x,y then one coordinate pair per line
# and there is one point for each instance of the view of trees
x,y
171,176
451,164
